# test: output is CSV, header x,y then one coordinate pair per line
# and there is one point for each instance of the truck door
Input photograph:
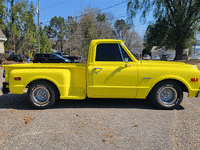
x,y
112,76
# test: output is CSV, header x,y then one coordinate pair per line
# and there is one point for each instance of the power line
x,y
54,5
104,8
91,12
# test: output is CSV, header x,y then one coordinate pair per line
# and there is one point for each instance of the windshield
x,y
58,56
135,55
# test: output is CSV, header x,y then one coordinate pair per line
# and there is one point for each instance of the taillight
x,y
17,78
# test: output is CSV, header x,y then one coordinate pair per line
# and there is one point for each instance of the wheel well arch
x,y
182,85
39,80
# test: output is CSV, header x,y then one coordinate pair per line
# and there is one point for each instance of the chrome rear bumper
x,y
198,94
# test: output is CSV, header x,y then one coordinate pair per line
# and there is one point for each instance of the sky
x,y
65,8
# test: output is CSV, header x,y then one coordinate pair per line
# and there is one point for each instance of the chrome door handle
x,y
97,68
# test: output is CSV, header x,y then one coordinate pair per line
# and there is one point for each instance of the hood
x,y
167,64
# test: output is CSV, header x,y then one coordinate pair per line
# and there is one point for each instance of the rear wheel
x,y
167,95
42,94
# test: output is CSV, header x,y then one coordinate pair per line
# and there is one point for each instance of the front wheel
x,y
42,94
167,95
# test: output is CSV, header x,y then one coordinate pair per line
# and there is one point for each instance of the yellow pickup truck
x,y
111,72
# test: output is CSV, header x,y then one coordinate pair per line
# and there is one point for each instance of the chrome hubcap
x,y
167,95
41,95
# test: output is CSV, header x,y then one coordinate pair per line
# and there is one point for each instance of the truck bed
x,y
70,77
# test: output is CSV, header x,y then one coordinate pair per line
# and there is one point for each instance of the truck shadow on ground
x,y
14,101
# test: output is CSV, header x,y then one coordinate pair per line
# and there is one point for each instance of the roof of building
x,y
2,36
155,49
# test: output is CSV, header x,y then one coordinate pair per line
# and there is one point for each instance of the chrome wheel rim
x,y
167,95
41,95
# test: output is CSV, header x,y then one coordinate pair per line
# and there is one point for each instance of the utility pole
x,y
38,11
70,44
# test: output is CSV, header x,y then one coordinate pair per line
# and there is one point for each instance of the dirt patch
x,y
28,119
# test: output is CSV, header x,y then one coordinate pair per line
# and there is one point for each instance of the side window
x,y
46,55
38,55
108,52
53,57
125,55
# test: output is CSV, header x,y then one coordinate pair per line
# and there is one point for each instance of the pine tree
x,y
2,15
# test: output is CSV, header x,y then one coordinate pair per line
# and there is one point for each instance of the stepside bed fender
x,y
59,77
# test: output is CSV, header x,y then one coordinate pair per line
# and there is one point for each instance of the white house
x,y
2,39
196,47
163,51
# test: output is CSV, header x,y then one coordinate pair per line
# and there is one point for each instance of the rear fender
x,y
59,77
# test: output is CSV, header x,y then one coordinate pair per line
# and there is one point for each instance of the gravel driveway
x,y
98,124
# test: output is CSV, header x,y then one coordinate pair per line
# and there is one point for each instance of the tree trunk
x,y
12,22
61,46
179,51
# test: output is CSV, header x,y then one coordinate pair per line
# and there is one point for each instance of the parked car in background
x,y
49,58
195,56
137,56
76,59
156,57
146,57
165,57
184,57
16,58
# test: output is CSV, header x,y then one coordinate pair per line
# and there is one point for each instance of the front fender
x,y
147,85
191,86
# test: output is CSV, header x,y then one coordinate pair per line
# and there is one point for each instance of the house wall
x,y
196,49
2,47
171,53
159,53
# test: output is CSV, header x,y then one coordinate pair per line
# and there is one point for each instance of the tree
x,y
20,29
155,35
133,41
45,45
2,15
28,30
121,28
57,30
12,24
104,28
88,28
72,35
182,17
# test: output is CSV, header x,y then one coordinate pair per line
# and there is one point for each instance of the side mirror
x,y
126,60
140,57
